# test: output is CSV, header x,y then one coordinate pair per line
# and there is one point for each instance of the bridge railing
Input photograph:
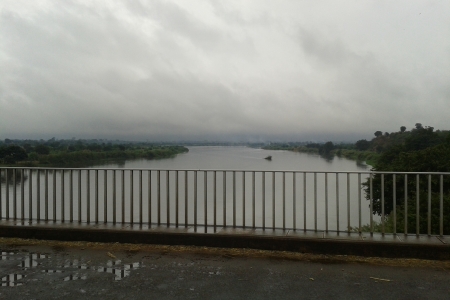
x,y
386,202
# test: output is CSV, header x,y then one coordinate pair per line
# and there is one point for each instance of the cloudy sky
x,y
222,70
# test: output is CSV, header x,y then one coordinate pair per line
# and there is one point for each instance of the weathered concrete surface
x,y
61,270
423,247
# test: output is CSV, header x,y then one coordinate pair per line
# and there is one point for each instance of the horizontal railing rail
x,y
336,201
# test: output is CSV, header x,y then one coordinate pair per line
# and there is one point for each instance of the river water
x,y
285,199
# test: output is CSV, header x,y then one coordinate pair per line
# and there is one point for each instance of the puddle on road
x,y
74,268
12,280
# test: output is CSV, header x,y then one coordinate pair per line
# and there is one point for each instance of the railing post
x,y
14,195
149,197
30,196
140,197
348,203
46,195
326,202
394,196
167,199
114,192
54,195
337,203
243,199
315,201
273,200
205,198
70,198
62,196
79,197
131,197
234,199
263,200
429,205
88,197
195,200
177,204
22,194
224,198
382,204
304,201
371,203
406,205
294,200
215,200
253,201
417,206
105,196
284,200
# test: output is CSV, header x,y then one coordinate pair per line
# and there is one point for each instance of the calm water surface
x,y
284,199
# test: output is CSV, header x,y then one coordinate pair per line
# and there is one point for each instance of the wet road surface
x,y
57,270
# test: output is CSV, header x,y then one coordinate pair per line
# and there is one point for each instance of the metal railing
x,y
405,203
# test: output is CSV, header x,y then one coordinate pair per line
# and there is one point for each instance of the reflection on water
x,y
89,195
74,269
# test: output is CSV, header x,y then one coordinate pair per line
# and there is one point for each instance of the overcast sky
x,y
222,70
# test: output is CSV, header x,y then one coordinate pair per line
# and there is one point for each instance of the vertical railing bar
x,y
215,199
46,194
326,202
38,195
243,199
429,204
371,202
177,199
195,200
105,196
131,197
122,191
234,199
30,196
337,202
79,196
1,199
348,203
63,209
441,207
96,197
394,197
158,196
359,203
140,198
294,201
253,201
382,204
54,194
167,199
186,199
406,204
114,190
315,201
417,206
70,198
304,201
284,200
224,198
205,197
14,195
7,193
22,196
273,200
264,200
149,197
88,197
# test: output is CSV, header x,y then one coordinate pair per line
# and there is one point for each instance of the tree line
x,y
75,152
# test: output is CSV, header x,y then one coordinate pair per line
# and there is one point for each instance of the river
x,y
233,201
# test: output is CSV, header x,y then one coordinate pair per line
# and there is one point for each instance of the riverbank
x,y
367,157
87,157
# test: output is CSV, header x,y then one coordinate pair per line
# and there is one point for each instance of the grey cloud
x,y
161,70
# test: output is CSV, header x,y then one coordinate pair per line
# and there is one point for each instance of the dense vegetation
x,y
79,152
422,149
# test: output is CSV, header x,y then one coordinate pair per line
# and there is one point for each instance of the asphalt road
x,y
56,270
